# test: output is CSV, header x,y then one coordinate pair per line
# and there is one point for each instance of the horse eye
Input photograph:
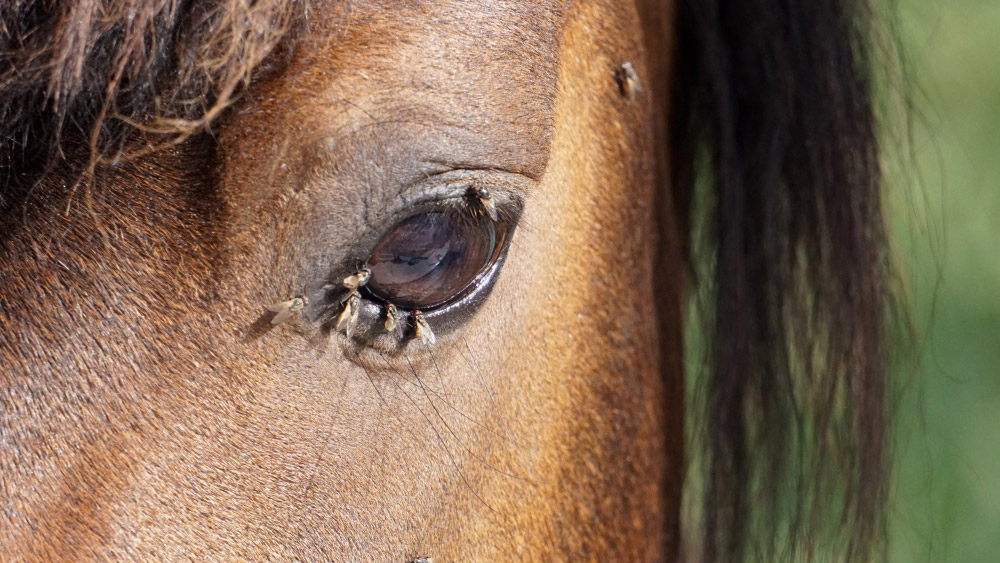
x,y
430,259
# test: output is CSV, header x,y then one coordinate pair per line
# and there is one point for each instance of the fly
x,y
286,309
628,80
485,198
349,316
391,318
357,279
424,332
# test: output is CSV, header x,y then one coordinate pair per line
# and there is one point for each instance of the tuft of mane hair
x,y
775,140
89,72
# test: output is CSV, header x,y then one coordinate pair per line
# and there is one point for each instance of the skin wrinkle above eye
x,y
368,178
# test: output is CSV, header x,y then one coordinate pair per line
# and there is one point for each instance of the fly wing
x,y
281,316
349,316
391,318
424,332
280,307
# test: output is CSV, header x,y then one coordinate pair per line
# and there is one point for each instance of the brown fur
x,y
136,425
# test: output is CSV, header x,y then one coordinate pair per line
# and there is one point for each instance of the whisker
x,y
450,405
461,473
326,442
439,396
316,465
385,403
437,369
440,438
425,388
402,424
452,432
503,421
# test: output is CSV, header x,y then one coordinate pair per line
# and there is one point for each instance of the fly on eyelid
x,y
424,332
349,316
391,318
485,198
357,279
286,309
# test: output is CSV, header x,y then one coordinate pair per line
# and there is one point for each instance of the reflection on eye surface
x,y
430,258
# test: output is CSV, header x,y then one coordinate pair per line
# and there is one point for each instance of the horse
x,y
399,281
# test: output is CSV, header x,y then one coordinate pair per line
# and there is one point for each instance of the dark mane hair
x,y
775,140
89,73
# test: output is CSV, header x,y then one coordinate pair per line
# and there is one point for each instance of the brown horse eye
x,y
429,259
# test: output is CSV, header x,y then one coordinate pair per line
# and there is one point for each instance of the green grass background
x,y
945,217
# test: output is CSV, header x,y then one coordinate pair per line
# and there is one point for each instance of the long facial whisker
x,y
437,370
326,442
392,412
491,431
444,400
461,473
451,430
316,465
412,402
503,421
427,389
444,443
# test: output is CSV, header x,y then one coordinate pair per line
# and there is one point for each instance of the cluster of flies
x,y
348,317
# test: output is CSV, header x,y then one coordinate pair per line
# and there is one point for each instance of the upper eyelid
x,y
509,189
434,192
454,182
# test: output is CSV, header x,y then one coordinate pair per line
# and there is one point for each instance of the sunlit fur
x,y
168,169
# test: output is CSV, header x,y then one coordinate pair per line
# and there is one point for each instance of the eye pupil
x,y
429,259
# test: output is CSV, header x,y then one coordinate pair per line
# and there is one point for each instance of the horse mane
x,y
775,143
91,72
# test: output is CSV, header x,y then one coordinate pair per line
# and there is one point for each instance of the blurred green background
x,y
946,226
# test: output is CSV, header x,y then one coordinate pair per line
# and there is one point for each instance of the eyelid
x,y
454,185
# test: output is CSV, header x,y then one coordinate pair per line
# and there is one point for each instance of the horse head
x,y
365,281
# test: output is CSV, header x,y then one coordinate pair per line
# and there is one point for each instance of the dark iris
x,y
430,258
